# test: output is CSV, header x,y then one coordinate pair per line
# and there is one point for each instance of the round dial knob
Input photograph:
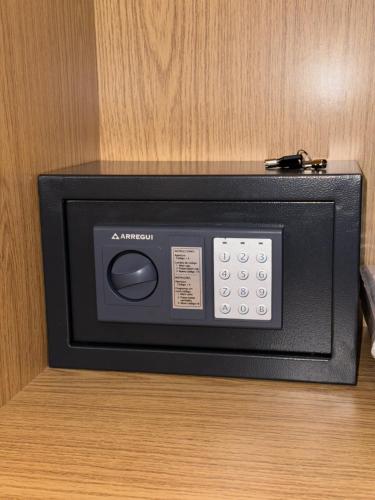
x,y
133,275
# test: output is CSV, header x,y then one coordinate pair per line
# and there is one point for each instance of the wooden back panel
x,y
238,80
48,119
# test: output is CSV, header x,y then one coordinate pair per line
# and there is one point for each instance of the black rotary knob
x,y
133,275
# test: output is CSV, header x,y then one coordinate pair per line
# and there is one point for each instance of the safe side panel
x,y
307,301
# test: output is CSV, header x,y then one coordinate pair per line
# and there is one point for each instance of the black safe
x,y
218,268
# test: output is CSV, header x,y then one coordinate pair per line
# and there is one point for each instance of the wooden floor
x,y
81,434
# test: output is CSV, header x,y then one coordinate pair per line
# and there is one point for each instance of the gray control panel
x,y
223,276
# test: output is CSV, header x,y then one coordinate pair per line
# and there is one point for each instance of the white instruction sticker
x,y
187,277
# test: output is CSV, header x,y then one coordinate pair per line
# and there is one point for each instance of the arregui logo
x,y
132,236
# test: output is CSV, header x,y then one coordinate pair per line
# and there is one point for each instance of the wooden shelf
x,y
86,434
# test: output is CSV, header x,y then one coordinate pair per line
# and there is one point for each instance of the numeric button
x,y
243,308
261,275
261,257
243,274
224,256
224,274
243,291
261,292
225,291
243,257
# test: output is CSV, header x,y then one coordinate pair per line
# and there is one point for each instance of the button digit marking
x,y
225,291
224,256
261,309
261,257
261,292
225,308
224,274
243,257
243,309
243,291
243,274
261,275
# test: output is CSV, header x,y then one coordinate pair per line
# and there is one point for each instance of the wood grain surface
x,y
80,434
48,119
238,80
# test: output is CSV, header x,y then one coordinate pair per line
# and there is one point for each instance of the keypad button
x,y
261,309
243,291
224,274
261,275
261,292
243,274
261,257
225,308
224,256
225,291
243,257
243,308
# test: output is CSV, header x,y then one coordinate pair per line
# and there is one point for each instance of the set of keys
x,y
300,161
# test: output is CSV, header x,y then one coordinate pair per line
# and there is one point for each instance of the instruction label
x,y
187,278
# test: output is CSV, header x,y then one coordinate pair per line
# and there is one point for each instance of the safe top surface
x,y
178,168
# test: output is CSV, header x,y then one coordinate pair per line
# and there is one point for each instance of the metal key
x,y
301,160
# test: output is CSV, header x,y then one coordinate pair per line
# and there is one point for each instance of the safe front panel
x,y
302,296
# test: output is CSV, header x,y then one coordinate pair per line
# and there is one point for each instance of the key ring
x,y
305,155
